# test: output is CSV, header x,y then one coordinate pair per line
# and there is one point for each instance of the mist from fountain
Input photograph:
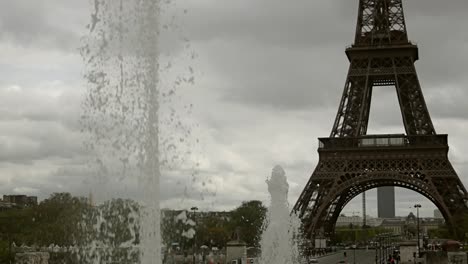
x,y
280,238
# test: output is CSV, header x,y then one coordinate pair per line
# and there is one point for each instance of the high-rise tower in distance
x,y
386,202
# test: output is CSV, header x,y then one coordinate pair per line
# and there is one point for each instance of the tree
x,y
249,219
58,220
212,230
410,230
440,232
54,221
360,235
115,228
118,223
65,220
174,228
460,227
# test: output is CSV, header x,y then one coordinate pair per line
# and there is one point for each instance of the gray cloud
x,y
47,24
252,44
270,23
269,62
39,123
269,76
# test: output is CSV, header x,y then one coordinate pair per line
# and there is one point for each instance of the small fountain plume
x,y
280,238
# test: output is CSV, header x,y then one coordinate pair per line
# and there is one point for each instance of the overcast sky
x,y
268,79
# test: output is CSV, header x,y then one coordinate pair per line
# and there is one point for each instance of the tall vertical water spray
x,y
281,235
121,119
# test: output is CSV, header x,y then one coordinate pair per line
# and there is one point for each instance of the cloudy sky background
x,y
268,79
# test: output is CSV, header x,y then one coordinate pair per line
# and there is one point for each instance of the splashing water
x,y
121,119
279,241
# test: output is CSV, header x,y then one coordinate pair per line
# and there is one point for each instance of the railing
x,y
386,45
381,71
373,141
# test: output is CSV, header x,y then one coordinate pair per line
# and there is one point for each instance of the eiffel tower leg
x,y
353,112
413,106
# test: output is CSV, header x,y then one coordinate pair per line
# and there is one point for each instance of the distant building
x,y
402,225
371,221
411,219
395,225
386,202
438,214
346,221
20,200
5,206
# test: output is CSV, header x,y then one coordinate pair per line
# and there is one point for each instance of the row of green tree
x,y
215,230
65,220
357,235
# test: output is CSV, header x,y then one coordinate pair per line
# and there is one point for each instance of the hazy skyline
x,y
268,77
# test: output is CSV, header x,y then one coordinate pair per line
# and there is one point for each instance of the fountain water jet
x,y
121,119
280,238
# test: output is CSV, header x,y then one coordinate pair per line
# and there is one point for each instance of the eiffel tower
x,y
351,161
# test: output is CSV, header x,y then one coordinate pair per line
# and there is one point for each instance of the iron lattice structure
x,y
350,161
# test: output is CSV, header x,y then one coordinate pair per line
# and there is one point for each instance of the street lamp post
x,y
390,249
380,249
354,253
385,248
417,206
194,209
376,251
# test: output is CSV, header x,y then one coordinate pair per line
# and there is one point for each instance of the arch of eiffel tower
x,y
351,161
